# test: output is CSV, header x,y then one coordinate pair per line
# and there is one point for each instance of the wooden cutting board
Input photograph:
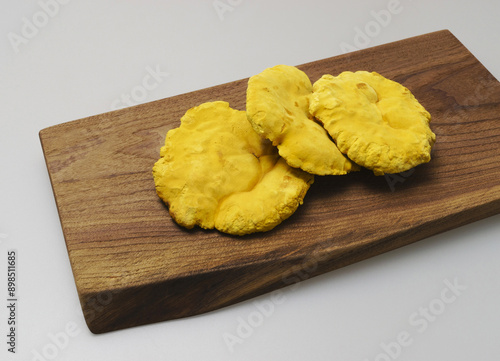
x,y
133,265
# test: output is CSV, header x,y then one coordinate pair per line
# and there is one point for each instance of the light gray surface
x,y
84,56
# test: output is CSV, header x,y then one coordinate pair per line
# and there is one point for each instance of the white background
x,y
85,55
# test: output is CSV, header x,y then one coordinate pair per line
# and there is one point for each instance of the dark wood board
x,y
133,265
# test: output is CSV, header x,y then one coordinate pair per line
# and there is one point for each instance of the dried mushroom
x,y
375,121
215,171
278,109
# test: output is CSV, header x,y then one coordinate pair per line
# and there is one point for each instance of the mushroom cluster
x,y
242,172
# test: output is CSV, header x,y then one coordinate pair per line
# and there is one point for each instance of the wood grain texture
x,y
133,265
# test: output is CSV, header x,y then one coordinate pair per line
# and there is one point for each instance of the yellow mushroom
x,y
278,109
215,171
375,121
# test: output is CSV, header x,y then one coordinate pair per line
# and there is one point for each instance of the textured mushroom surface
x,y
216,171
375,121
278,109
275,198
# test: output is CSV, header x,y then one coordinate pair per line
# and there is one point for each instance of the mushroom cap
x,y
375,121
278,109
213,157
